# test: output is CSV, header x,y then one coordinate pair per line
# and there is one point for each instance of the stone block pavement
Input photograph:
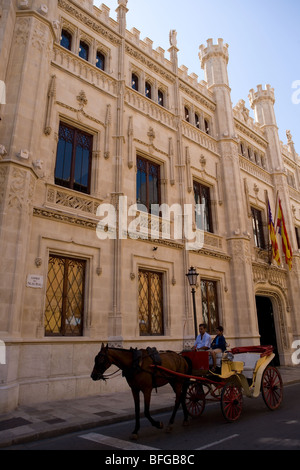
x,y
45,420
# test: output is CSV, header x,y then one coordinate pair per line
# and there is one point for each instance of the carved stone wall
x,y
47,84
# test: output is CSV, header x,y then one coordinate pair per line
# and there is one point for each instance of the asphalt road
x,y
257,429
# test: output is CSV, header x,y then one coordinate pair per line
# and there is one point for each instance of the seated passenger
x,y
203,340
218,345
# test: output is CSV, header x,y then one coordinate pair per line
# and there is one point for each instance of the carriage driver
x,y
203,340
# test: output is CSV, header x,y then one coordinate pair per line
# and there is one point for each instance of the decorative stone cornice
x,y
197,96
250,133
266,274
89,21
144,59
255,170
65,218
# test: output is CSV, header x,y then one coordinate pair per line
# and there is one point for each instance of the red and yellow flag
x,y
275,248
286,246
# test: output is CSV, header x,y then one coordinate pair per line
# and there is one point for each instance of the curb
x,y
67,429
61,429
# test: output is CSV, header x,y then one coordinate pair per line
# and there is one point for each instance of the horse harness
x,y
138,356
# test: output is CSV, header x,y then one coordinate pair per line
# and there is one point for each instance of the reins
x,y
109,376
155,371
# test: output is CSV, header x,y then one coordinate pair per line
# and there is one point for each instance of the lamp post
x,y
192,278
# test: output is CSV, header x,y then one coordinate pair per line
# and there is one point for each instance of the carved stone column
x,y
21,137
15,222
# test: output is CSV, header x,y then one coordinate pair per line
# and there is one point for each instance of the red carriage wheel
x,y
272,387
231,402
195,400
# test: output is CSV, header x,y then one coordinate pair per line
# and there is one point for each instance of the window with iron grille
x,y
202,196
65,296
148,183
73,159
258,230
209,299
151,303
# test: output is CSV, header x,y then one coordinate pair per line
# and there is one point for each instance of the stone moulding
x,y
59,197
65,218
89,21
85,70
270,275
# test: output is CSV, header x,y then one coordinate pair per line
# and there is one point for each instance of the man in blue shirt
x,y
203,340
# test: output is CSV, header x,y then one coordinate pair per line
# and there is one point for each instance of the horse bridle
x,y
106,363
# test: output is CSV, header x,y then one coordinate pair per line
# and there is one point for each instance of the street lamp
x,y
192,278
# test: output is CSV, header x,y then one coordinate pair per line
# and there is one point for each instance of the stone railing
x,y
200,137
83,69
149,107
72,202
255,170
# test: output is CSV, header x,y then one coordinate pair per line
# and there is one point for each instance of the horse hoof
x,y
161,425
134,437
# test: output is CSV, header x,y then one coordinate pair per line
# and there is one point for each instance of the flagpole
x,y
276,210
270,257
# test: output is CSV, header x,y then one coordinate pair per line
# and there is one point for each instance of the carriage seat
x,y
237,366
249,361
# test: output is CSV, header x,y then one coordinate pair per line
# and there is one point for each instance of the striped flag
x,y
275,248
286,246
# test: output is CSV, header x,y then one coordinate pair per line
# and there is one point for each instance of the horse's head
x,y
102,363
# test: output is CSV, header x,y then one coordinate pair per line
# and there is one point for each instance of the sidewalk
x,y
29,423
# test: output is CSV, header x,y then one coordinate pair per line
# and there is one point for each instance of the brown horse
x,y
143,376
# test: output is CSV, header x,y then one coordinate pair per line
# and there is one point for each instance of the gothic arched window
x,y
66,39
135,82
84,50
148,90
100,61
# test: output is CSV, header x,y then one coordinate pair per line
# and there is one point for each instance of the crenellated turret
x,y
214,60
262,102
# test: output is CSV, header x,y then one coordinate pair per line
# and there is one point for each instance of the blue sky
x,y
263,38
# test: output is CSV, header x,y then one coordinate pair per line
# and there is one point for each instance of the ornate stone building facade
x,y
95,117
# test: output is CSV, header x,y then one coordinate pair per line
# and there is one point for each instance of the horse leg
x,y
147,399
183,402
136,397
177,389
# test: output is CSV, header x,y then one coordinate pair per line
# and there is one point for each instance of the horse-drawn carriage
x,y
242,371
245,370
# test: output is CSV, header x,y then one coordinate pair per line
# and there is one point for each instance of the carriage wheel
x,y
272,388
195,400
231,402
